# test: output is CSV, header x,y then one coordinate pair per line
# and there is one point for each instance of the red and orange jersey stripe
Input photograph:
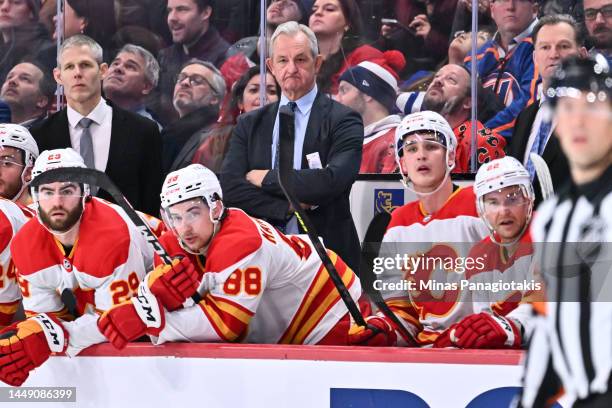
x,y
7,311
229,319
404,309
320,297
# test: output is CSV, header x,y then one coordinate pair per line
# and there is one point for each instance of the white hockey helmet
x,y
19,137
193,181
425,121
55,159
498,174
58,158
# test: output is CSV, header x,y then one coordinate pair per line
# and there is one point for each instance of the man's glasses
x,y
591,13
195,80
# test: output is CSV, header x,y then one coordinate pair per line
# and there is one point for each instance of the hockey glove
x,y
444,340
27,344
173,284
133,318
378,333
486,331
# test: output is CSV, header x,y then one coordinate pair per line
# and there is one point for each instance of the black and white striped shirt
x,y
572,345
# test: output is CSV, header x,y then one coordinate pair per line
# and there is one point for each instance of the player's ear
x,y
451,159
27,174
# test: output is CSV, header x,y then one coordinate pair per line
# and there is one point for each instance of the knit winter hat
x,y
377,78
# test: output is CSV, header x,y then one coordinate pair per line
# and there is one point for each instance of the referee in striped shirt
x,y
570,351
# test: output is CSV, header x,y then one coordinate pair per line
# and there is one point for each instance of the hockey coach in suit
x,y
123,144
327,152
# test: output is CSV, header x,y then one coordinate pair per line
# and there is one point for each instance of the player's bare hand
x,y
256,177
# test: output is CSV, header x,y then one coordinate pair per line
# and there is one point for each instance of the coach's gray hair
x,y
151,68
79,40
292,28
218,82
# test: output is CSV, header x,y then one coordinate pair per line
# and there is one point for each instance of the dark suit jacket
x,y
336,133
553,155
134,157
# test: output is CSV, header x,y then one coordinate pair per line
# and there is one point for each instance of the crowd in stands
x,y
151,89
176,62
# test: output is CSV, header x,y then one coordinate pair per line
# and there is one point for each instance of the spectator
x,y
245,97
449,95
461,45
505,63
434,27
327,149
598,21
198,92
29,92
337,25
21,34
151,15
123,144
555,38
131,77
463,16
277,13
370,89
458,49
193,37
236,19
94,18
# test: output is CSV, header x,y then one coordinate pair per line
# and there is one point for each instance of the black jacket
x,y
134,157
336,133
553,155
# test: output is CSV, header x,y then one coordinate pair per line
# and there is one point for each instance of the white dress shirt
x,y
100,129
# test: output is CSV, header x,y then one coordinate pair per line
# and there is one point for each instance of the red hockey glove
x,y
173,284
486,330
444,340
132,319
378,333
27,344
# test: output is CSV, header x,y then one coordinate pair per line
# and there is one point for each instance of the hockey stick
x,y
100,179
370,249
543,173
286,140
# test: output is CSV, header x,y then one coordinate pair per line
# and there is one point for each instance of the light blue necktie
x,y
539,144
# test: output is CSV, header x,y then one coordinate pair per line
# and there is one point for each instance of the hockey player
x,y
442,224
76,243
258,285
570,349
505,203
18,151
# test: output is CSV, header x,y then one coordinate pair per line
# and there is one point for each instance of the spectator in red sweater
x,y
370,89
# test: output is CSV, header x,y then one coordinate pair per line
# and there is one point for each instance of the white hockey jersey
x,y
12,218
435,246
105,266
263,287
505,284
